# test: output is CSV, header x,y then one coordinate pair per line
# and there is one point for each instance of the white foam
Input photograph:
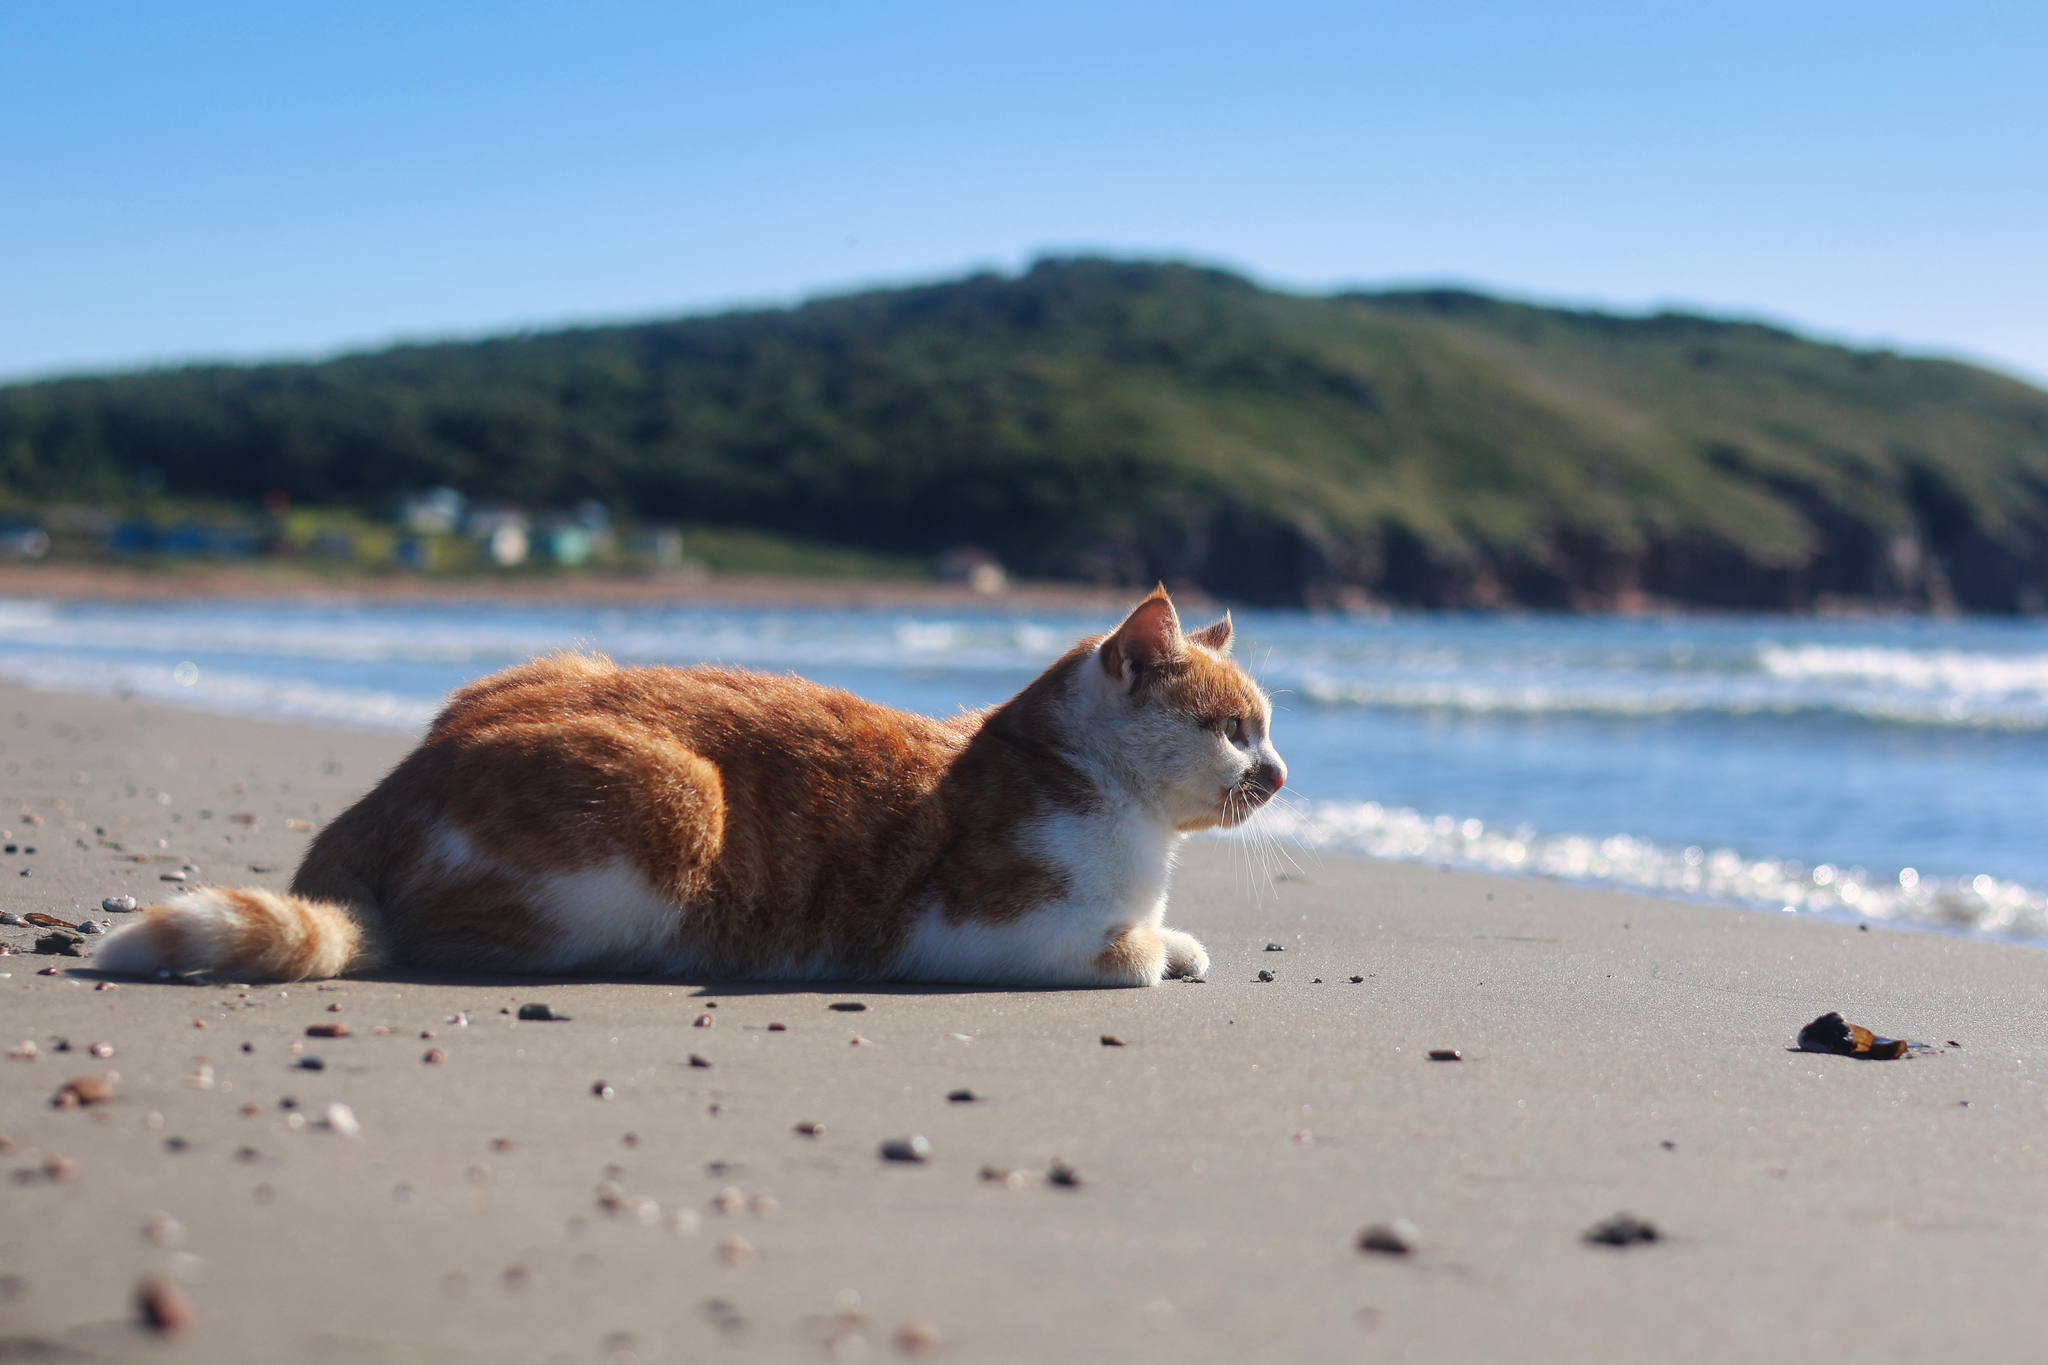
x,y
1982,904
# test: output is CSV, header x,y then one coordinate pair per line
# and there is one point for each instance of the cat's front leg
x,y
1184,954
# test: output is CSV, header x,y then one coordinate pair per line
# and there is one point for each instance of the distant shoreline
x,y
108,583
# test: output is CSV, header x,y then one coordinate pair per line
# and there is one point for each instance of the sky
x,y
222,181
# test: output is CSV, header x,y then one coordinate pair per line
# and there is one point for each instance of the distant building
x,y
503,532
438,511
974,566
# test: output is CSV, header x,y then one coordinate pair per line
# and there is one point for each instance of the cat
x,y
569,815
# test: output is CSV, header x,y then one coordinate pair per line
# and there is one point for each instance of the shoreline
x,y
1617,1053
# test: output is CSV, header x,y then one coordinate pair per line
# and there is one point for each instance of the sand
x,y
1619,1053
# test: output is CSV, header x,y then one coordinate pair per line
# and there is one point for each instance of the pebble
x,y
699,1062
541,1013
1111,1040
118,905
848,1006
1063,1175
961,1096
327,1030
342,1119
858,1041
171,877
101,1050
1446,1054
918,1339
8,917
164,1307
1275,948
913,1148
311,1063
778,1028
729,1200
1622,1230
1389,1239
83,1090
1357,980
23,1051
61,1168
1265,976
704,1021
86,926
434,1056
735,1251
107,986
811,1129
602,1091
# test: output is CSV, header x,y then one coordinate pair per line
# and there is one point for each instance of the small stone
x,y
848,1006
108,986
1265,976
342,1119
601,1090
311,1063
118,905
24,1051
334,1008
45,971
86,926
699,1062
916,1339
1389,1239
170,876
101,1050
729,1200
913,1148
778,1028
83,1090
1356,980
1622,1230
165,1308
1953,1043
704,1021
539,1013
434,1056
12,920
1063,1175
327,1030
857,1041
811,1129
1111,1040
960,1096
1446,1054
736,1251
1275,948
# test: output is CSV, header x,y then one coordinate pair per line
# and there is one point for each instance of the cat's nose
x,y
1272,776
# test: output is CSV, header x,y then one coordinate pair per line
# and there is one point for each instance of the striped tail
x,y
257,935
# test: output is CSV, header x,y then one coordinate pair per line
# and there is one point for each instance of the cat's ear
x,y
1149,636
1216,637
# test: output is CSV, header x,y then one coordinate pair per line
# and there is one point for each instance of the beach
x,y
577,1190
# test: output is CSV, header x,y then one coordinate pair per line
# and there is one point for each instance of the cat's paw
x,y
1184,955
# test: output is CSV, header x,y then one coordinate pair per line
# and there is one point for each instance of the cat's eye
x,y
1234,729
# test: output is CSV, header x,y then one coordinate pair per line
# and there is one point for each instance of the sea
x,y
1886,771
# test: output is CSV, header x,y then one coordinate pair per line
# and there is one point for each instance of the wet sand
x,y
1619,1053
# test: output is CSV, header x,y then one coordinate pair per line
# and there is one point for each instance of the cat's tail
x,y
252,934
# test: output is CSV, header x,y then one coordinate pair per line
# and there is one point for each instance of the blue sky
x,y
211,180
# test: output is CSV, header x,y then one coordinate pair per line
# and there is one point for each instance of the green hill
x,y
1123,422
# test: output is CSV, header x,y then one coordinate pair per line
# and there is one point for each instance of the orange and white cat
x,y
569,815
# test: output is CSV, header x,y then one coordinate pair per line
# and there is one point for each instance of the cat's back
x,y
726,715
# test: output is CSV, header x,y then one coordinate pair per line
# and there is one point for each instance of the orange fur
x,y
569,814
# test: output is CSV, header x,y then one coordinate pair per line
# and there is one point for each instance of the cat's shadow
x,y
700,987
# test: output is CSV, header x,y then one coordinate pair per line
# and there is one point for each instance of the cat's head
x,y
1185,726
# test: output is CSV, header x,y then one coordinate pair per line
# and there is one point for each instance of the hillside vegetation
x,y
1125,422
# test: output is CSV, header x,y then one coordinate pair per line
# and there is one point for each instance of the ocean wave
x,y
1653,696
1950,671
232,694
1978,904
